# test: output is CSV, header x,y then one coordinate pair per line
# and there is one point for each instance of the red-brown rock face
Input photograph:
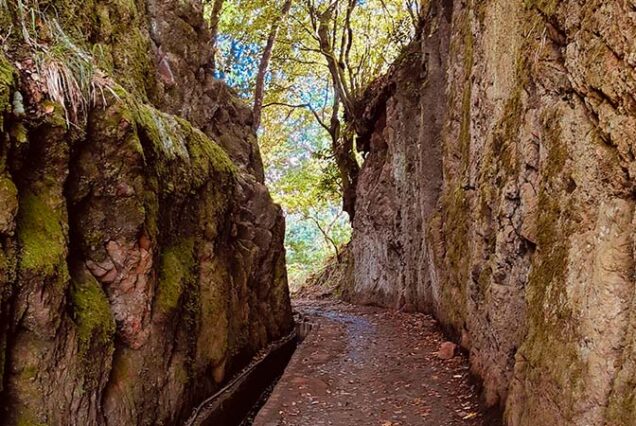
x,y
498,194
141,256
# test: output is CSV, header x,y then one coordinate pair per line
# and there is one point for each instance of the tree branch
x,y
305,106
325,235
215,18
259,92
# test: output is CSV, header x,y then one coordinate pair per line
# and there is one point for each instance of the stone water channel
x,y
238,402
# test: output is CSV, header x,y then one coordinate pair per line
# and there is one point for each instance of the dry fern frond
x,y
68,72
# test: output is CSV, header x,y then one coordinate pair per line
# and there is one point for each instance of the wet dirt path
x,y
364,366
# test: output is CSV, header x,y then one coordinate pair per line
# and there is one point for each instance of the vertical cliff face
x,y
498,194
141,257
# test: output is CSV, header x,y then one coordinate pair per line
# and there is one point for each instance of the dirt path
x,y
365,366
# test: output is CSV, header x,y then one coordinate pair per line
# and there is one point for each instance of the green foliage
x,y
299,102
303,179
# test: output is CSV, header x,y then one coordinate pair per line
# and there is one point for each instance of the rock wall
x,y
334,280
141,257
498,193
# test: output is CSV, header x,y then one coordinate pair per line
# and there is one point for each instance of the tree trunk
x,y
259,92
336,69
348,167
215,17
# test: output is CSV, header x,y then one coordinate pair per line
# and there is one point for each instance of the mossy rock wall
x,y
141,262
498,195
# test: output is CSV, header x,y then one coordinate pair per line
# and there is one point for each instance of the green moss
x,y
456,210
464,133
469,58
547,7
181,374
552,227
550,347
557,151
204,152
26,418
151,208
5,14
124,46
183,158
176,272
550,271
102,15
132,64
29,373
41,237
507,129
8,191
173,137
56,117
92,314
162,130
19,133
484,281
505,134
455,204
7,74
622,407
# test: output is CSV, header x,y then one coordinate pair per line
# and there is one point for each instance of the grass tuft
x,y
69,74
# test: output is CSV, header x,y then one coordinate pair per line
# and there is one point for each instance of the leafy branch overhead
x,y
303,64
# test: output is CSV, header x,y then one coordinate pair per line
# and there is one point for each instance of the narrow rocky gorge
x,y
141,256
142,261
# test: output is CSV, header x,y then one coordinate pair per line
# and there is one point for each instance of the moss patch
x,y
176,272
92,314
622,407
547,7
550,347
469,59
455,204
547,278
204,152
7,74
505,135
456,210
8,195
174,137
26,418
40,234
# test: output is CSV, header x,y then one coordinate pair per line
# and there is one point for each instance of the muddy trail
x,y
368,366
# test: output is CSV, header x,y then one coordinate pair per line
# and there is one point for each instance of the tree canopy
x,y
302,64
